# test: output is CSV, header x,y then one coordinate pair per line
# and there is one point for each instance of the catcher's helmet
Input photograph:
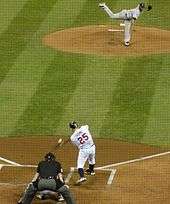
x,y
49,156
73,124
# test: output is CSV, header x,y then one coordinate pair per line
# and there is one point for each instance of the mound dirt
x,y
108,40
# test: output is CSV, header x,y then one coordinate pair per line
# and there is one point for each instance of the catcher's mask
x,y
73,125
49,157
141,6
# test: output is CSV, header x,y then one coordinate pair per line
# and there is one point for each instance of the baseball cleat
x,y
39,196
60,199
122,24
20,201
81,180
88,172
102,5
127,43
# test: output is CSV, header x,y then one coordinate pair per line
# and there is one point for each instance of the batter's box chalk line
x,y
134,160
115,30
13,185
109,181
9,161
73,169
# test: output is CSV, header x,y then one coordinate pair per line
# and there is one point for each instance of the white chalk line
x,y
109,181
9,161
21,166
72,169
115,30
104,168
12,184
133,160
69,175
1,165
111,177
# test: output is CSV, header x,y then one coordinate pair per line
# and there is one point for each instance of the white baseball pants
x,y
122,15
86,154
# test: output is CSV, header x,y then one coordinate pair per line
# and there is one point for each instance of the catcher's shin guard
x,y
28,195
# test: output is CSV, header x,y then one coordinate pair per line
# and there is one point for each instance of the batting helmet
x,y
141,6
49,156
73,124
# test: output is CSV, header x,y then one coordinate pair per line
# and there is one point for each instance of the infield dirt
x,y
140,182
99,40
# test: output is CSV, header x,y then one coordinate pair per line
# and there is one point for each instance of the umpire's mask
x,y
49,157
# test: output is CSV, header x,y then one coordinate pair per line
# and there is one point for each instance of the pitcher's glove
x,y
149,7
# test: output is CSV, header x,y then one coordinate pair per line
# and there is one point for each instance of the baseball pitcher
x,y
82,138
128,16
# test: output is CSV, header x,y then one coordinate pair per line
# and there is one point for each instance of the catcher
x,y
48,177
128,16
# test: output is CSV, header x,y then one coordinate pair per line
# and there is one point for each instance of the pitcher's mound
x,y
108,40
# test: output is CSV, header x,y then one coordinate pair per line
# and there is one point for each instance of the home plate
x,y
115,30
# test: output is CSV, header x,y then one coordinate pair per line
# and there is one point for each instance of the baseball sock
x,y
91,167
81,172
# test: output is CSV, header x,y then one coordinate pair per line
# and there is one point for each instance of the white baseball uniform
x,y
83,140
128,16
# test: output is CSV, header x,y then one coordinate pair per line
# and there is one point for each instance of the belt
x,y
87,147
50,177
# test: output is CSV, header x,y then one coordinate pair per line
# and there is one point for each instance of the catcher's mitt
x,y
149,7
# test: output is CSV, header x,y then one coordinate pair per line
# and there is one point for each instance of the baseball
x,y
60,141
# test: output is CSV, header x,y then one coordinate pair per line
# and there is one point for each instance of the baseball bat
x,y
60,143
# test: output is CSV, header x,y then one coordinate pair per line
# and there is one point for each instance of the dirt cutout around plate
x,y
141,182
107,40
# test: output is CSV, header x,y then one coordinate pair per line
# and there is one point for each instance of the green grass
x,y
8,11
43,89
132,99
20,31
157,130
53,94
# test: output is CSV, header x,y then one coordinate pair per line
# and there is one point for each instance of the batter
x,y
82,138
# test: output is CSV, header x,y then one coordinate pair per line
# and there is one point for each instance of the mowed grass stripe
x,y
54,21
159,16
91,98
19,86
64,15
87,104
36,59
8,10
158,127
92,14
57,86
132,99
21,30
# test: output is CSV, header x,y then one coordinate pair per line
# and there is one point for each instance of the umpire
x,y
48,177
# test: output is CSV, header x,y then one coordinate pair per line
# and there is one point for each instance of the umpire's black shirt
x,y
50,169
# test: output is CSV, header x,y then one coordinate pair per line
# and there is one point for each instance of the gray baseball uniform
x,y
128,16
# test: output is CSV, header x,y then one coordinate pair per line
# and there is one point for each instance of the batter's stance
x,y
128,16
82,138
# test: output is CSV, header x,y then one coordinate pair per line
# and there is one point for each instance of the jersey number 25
x,y
83,138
